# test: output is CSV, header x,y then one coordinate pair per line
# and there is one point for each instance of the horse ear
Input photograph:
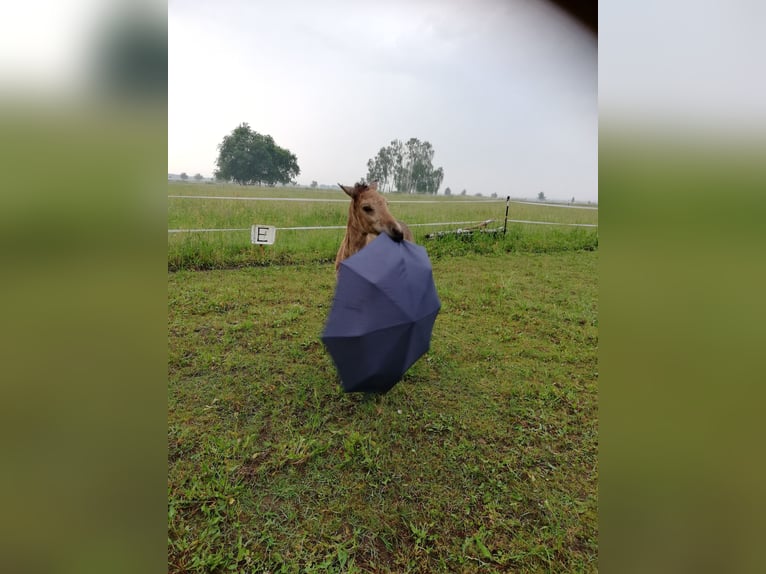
x,y
350,191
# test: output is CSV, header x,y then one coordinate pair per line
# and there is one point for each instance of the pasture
x,y
217,250
483,458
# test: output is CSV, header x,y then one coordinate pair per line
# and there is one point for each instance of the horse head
x,y
368,214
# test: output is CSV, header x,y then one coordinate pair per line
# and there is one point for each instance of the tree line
x,y
406,167
247,157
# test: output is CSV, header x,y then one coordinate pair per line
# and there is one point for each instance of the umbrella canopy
x,y
382,315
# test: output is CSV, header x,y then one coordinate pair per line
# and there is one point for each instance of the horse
x,y
368,217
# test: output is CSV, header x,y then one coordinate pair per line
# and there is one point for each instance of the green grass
x,y
484,458
221,250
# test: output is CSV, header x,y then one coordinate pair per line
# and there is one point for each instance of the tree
x,y
541,196
184,176
448,191
406,167
463,192
494,196
198,176
314,183
247,157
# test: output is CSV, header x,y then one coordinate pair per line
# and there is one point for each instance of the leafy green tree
x,y
247,157
314,183
448,191
541,196
184,176
198,176
406,167
463,192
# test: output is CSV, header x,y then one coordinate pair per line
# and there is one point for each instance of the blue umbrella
x,y
382,315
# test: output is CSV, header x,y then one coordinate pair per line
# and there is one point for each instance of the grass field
x,y
483,458
228,249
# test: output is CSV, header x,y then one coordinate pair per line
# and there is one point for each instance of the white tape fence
x,y
444,223
413,201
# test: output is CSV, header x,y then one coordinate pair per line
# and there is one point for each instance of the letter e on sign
x,y
263,235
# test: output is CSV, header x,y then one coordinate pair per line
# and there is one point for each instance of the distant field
x,y
483,459
233,248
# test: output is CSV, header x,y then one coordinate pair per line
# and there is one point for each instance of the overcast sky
x,y
703,65
505,90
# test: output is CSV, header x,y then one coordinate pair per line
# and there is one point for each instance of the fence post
x,y
507,203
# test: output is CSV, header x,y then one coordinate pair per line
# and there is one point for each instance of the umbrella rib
x,y
366,333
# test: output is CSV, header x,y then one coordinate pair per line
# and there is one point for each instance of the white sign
x,y
263,235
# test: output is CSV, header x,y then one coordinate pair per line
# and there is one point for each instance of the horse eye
x,y
368,209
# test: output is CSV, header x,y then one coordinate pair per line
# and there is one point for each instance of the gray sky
x,y
505,90
683,64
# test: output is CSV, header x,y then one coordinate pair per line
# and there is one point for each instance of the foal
x,y
368,217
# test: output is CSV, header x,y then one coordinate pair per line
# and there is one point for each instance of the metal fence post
x,y
507,203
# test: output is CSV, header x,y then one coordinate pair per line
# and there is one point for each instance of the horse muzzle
x,y
396,233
